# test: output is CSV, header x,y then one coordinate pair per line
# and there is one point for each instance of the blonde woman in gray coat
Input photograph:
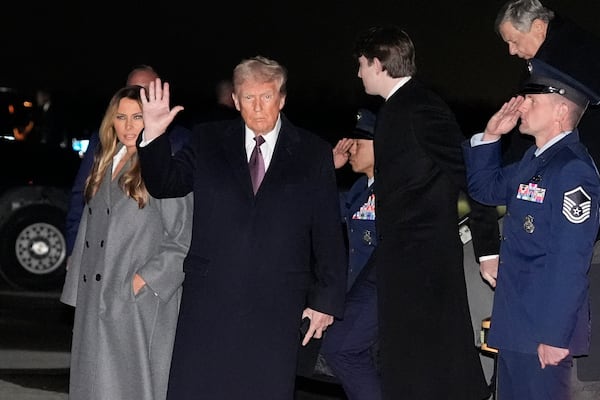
x,y
125,275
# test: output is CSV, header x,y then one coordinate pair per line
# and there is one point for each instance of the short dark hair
x,y
391,45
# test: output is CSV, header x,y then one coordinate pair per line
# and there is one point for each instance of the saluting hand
x,y
156,109
341,152
504,120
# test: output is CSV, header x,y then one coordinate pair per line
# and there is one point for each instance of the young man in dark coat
x,y
427,347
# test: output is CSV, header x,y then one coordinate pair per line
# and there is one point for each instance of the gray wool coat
x,y
122,343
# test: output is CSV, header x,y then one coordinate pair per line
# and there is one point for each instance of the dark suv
x,y
35,181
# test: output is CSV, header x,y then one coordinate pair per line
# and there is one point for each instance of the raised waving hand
x,y
156,109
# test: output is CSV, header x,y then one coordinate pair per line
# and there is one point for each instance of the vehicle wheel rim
x,y
40,248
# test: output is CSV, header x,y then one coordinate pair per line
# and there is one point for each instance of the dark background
x,y
83,51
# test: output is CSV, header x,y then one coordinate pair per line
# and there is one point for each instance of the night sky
x,y
84,52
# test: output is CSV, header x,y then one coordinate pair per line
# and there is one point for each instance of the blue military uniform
x,y
548,235
358,214
348,344
552,200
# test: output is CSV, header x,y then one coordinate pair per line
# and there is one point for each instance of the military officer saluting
x,y
358,204
540,316
347,345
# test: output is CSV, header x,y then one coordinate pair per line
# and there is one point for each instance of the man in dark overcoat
x,y
427,347
260,259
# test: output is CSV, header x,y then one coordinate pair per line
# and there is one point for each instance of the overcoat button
x,y
102,243
98,277
84,277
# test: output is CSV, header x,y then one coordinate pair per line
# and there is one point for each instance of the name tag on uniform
x,y
531,192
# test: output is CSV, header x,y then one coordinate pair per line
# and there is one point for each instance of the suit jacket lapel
x,y
282,156
234,148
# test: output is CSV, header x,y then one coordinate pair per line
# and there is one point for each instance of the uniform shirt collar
x,y
551,142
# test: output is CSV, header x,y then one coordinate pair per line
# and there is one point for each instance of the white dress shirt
x,y
267,147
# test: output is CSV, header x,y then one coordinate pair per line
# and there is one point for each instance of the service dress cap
x,y
365,125
546,79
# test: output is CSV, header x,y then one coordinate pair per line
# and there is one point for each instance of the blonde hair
x,y
131,180
261,69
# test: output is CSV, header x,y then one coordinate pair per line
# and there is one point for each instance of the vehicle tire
x,y
33,248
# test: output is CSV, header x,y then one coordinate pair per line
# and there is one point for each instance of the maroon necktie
x,y
257,164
